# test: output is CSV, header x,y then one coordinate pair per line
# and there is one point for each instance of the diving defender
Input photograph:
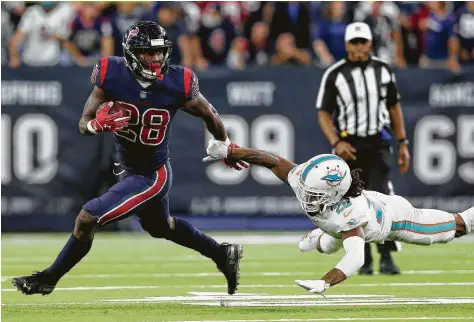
x,y
334,199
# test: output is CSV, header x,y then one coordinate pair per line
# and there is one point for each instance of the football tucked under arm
x,y
109,118
104,117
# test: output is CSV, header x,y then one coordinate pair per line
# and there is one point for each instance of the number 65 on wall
x,y
435,157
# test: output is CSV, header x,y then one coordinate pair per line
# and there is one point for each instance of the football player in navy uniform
x,y
144,93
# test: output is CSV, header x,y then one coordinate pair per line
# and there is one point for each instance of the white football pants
x,y
420,226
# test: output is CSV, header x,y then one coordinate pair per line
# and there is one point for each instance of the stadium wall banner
x,y
48,170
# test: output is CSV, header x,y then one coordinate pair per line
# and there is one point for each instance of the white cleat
x,y
310,240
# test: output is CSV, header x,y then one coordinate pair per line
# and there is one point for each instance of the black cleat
x,y
230,268
366,270
34,284
388,267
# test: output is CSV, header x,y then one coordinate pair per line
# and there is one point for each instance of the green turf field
x,y
129,277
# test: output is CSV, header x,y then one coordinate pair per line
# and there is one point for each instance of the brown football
x,y
116,107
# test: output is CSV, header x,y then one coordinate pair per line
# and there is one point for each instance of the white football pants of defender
x,y
420,226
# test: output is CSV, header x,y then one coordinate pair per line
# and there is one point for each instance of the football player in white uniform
x,y
347,215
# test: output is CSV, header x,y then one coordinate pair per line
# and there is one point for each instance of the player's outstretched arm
x,y
96,98
280,166
352,261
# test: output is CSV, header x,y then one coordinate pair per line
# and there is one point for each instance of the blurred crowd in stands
x,y
235,34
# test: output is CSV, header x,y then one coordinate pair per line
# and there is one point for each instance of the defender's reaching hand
x,y
237,165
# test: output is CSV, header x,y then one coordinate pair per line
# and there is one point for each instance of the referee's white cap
x,y
357,30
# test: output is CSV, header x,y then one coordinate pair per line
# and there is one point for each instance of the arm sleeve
x,y
99,72
393,97
327,94
191,85
354,257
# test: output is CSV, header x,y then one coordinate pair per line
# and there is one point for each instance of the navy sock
x,y
185,234
72,253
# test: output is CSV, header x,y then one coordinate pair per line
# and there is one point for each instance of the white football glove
x,y
313,286
216,150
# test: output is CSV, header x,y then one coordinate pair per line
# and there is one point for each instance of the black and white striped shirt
x,y
358,96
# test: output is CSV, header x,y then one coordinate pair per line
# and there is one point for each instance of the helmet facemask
x,y
313,200
148,64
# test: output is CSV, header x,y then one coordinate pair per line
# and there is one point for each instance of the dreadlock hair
x,y
357,185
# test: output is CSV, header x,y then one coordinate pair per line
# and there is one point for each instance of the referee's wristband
x,y
403,141
336,143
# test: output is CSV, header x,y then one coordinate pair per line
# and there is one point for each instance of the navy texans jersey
x,y
143,145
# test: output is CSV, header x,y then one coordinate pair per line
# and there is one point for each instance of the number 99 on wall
x,y
272,133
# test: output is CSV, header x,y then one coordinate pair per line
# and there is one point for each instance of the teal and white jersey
x,y
369,211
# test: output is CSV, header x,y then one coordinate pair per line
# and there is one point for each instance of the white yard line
x,y
425,318
261,297
253,303
138,287
269,301
214,274
96,288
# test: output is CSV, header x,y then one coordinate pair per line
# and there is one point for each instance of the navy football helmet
x,y
142,39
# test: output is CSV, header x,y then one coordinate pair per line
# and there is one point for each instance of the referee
x,y
358,107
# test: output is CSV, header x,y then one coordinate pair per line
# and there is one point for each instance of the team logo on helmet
x,y
334,177
133,32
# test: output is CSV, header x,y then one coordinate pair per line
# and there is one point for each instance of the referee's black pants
x,y
375,161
